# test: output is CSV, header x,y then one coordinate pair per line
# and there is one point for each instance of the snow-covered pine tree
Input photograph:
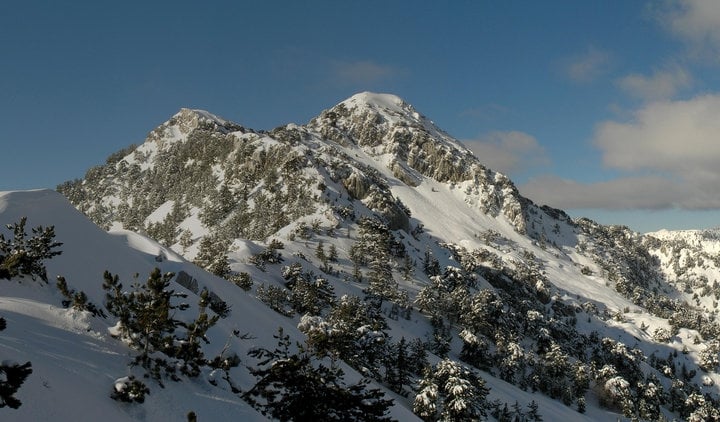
x,y
311,297
452,393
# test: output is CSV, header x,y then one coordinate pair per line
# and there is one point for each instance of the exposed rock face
x,y
383,124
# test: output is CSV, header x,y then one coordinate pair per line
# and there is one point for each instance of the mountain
x,y
372,237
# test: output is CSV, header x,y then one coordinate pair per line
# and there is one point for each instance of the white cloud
x,y
662,84
361,71
679,137
588,66
643,192
696,21
672,144
508,152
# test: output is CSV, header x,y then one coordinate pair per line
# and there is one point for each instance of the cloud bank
x,y
670,151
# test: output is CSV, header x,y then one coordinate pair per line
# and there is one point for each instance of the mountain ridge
x,y
421,225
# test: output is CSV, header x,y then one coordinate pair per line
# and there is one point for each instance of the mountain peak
x,y
376,100
387,107
188,119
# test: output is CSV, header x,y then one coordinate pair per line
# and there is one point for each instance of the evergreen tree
x,y
312,297
292,274
145,316
277,298
242,280
12,376
533,414
293,387
408,268
221,267
211,251
186,239
320,252
426,400
430,265
418,357
381,285
332,253
189,349
22,256
78,300
451,392
399,369
441,337
129,389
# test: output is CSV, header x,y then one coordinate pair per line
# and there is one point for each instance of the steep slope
x,y
377,202
75,359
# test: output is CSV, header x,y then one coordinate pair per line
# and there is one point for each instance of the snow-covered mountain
x,y
370,235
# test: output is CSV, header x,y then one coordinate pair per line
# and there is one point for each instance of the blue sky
x,y
609,109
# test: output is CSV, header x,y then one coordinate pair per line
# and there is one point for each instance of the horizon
x,y
603,110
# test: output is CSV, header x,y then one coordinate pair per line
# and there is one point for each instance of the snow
x,y
377,101
77,362
209,116
160,213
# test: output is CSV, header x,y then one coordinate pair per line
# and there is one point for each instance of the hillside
x,y
370,234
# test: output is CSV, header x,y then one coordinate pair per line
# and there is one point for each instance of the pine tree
x,y
211,250
129,389
418,357
145,316
534,415
398,368
186,239
408,268
440,340
381,285
430,264
12,376
292,274
312,297
78,300
426,400
221,267
277,298
451,393
242,280
22,256
292,387
189,349
320,252
332,253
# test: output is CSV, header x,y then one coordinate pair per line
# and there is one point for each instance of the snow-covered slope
x,y
691,263
75,361
482,275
